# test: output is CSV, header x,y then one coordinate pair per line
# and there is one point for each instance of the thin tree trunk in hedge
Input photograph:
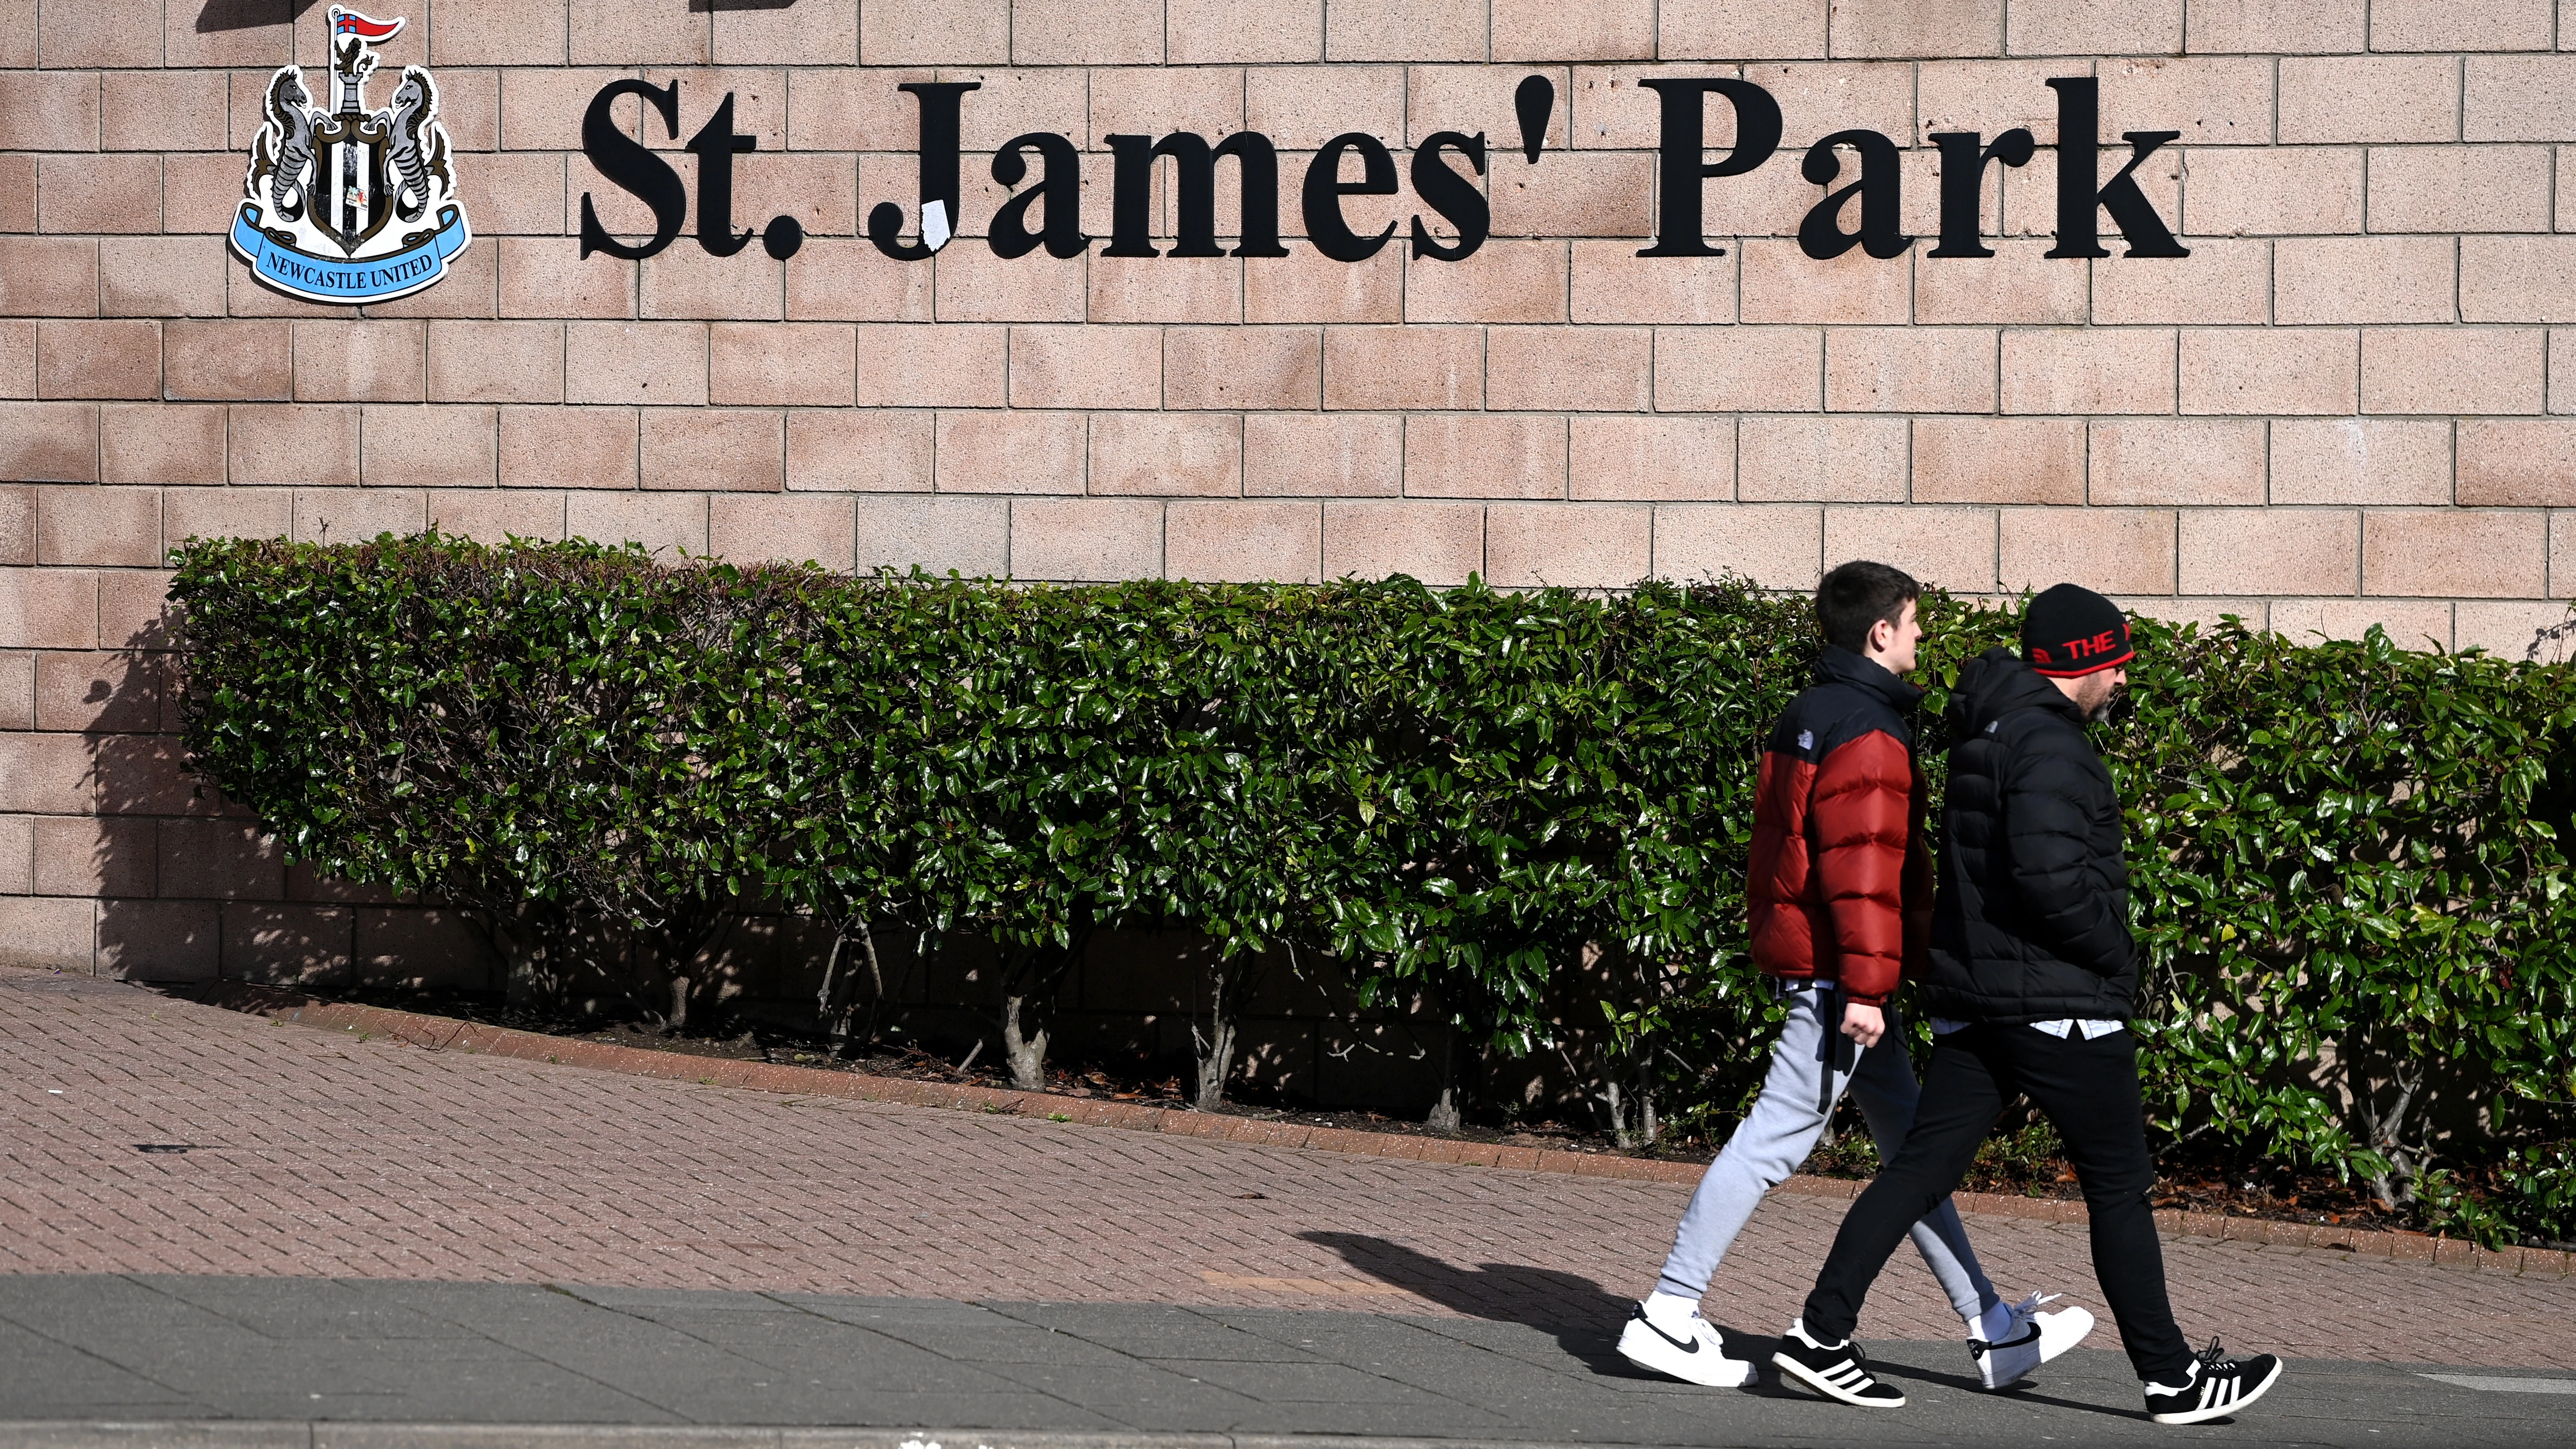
x,y
827,1009
1649,1131
1029,986
1627,1054
530,943
831,1003
699,930
2385,1132
1639,1056
1444,1115
1229,982
1628,1106
876,990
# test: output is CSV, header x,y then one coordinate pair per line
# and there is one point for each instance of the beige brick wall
x,y
2355,401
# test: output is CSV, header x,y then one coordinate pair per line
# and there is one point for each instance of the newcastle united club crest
x,y
347,204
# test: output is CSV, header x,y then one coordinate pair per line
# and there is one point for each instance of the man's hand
x,y
1864,1023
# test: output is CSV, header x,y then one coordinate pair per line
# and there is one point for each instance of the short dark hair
x,y
1859,594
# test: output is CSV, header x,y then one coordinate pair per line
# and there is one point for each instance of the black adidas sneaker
x,y
2214,1387
1837,1371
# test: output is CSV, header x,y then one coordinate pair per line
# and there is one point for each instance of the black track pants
x,y
2088,1091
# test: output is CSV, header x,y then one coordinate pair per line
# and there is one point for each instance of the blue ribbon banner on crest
x,y
314,278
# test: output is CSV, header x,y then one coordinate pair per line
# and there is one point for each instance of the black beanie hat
x,y
2071,630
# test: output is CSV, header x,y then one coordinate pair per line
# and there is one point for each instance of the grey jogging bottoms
x,y
1811,1067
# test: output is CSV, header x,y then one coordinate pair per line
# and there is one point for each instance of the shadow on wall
x,y
147,816
703,6
189,889
250,14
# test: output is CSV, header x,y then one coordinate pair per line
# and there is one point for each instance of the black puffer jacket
x,y
2031,920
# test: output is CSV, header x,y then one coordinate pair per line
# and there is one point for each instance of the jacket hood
x,y
1996,683
1838,665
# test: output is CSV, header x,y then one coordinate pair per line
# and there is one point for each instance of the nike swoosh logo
x,y
1986,1348
1690,1347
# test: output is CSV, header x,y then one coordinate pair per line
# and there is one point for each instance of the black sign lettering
x,y
1325,188
1049,213
1964,157
635,170
2079,166
1682,141
1194,166
1453,196
1059,191
714,146
942,107
1821,235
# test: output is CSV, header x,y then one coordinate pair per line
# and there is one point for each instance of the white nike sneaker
x,y
2027,1339
1699,1357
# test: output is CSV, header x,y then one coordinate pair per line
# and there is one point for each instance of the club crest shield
x,y
345,204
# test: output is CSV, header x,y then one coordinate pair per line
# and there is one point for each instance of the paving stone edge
x,y
444,1033
328,1434
341,1434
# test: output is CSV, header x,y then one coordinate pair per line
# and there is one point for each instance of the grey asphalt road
x,y
135,1359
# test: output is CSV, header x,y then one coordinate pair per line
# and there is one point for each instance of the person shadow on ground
x,y
1585,1317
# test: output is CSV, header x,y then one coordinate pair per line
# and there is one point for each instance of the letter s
x,y
637,171
1452,195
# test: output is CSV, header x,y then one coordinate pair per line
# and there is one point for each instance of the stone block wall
x,y
2353,402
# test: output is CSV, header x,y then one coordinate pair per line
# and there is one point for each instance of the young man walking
x,y
1840,894
2032,983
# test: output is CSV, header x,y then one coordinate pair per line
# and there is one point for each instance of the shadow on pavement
x,y
1584,1316
2032,1390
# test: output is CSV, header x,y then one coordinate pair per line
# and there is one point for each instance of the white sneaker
x,y
2027,1339
1697,1357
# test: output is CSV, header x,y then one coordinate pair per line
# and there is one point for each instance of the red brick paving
x,y
445,1033
327,1155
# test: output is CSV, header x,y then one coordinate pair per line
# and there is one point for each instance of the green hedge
x,y
2351,879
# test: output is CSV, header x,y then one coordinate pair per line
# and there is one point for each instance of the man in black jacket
x,y
2033,980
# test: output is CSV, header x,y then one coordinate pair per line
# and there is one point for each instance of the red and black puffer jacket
x,y
1841,884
